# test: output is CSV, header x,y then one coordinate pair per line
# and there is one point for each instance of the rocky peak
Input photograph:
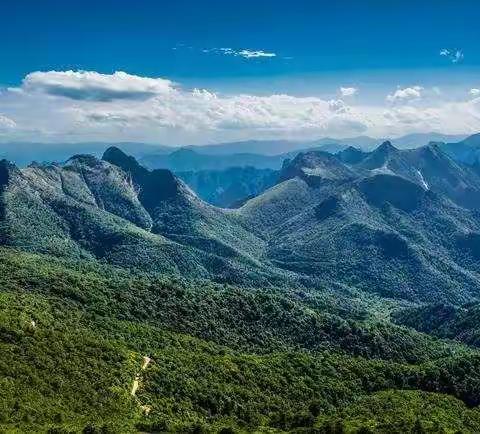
x,y
386,147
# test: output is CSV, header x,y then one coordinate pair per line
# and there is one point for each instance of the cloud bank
x,y
89,106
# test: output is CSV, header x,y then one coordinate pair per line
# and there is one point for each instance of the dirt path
x,y
146,362
136,381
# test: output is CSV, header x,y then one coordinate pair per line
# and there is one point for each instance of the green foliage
x,y
246,319
405,412
245,360
54,374
444,320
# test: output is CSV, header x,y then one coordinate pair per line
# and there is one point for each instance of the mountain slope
x,y
110,321
427,166
466,151
374,225
395,223
92,209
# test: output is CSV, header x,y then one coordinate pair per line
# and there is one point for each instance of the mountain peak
x,y
116,156
127,163
473,140
380,157
433,152
155,186
316,164
88,160
386,146
351,155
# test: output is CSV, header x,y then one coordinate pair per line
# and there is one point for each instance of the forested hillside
x,y
341,299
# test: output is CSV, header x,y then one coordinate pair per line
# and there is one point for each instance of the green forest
x,y
223,359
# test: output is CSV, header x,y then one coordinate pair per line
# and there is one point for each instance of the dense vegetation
x,y
73,335
344,299
444,320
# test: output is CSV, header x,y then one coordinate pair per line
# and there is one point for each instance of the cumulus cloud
x,y
92,86
88,106
338,106
202,110
474,92
454,55
348,91
92,106
405,94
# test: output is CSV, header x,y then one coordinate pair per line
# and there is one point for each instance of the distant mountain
x,y
192,159
262,147
23,153
422,139
277,147
227,188
466,151
184,160
409,141
153,155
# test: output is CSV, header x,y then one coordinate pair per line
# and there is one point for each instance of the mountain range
x,y
22,153
390,213
339,284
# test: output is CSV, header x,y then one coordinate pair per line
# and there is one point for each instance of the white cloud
x,y
405,94
88,106
92,86
474,92
348,91
6,124
246,54
338,106
454,55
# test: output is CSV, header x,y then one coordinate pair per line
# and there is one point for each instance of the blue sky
x,y
304,49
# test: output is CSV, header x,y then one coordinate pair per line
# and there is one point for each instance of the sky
x,y
192,72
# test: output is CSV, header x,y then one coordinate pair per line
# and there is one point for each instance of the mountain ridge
x,y
381,212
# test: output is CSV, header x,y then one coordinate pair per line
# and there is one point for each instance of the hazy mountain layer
x,y
226,188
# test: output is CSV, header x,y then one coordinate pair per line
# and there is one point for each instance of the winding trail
x,y
136,381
